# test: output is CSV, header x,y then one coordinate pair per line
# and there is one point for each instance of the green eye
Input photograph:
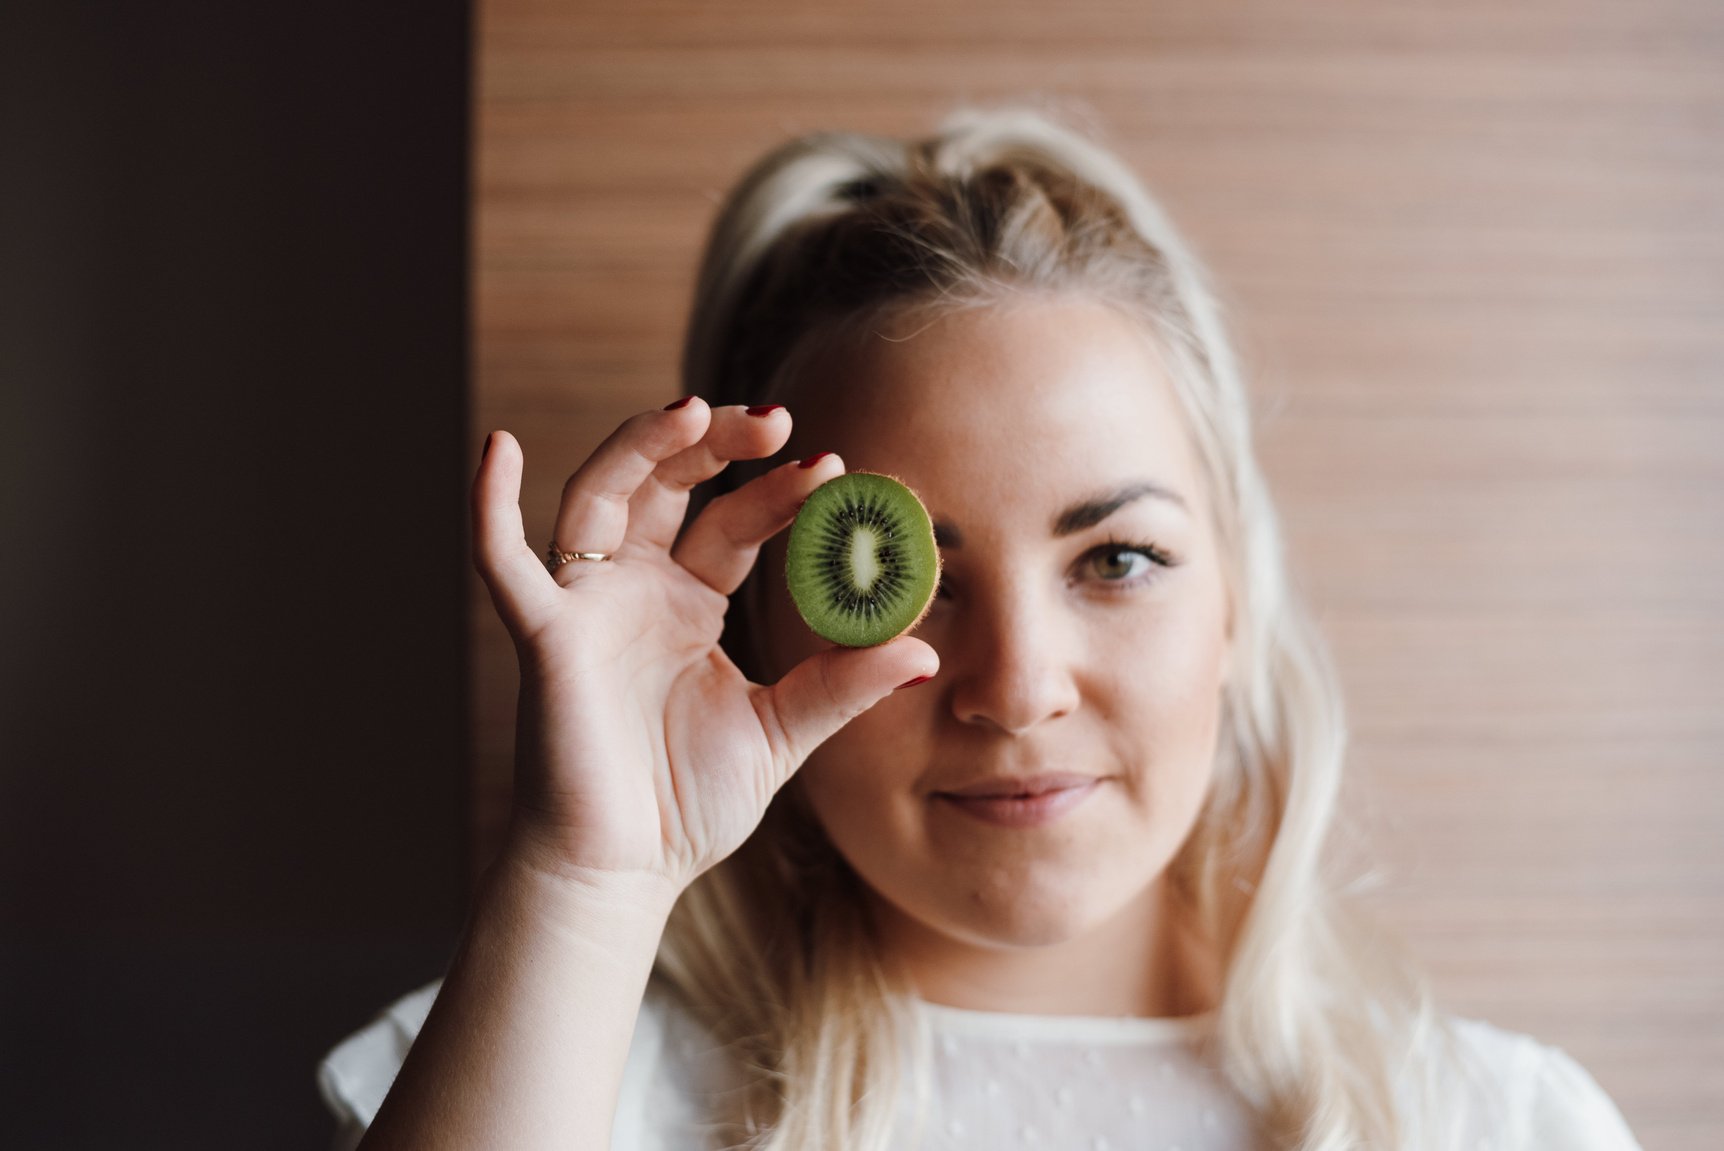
x,y
1119,563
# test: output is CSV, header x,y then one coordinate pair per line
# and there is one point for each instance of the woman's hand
x,y
642,752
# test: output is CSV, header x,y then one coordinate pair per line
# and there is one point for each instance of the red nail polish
x,y
763,409
675,404
914,682
812,460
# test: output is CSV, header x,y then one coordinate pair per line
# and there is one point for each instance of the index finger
x,y
594,516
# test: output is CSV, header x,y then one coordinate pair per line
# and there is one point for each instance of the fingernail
x,y
486,450
813,459
763,409
675,404
913,682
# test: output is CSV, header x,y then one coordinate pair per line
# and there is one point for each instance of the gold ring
x,y
555,559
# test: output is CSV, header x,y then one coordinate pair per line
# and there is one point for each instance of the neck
x,y
1145,961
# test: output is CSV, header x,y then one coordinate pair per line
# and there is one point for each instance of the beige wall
x,y
1476,263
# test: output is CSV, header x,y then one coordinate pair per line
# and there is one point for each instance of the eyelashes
x,y
1113,567
1121,564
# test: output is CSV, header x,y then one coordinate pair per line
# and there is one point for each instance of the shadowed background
x,y
263,296
1474,254
233,256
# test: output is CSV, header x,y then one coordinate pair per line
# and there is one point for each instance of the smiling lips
x,y
1027,801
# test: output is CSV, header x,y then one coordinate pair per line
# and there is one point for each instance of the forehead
x,y
1033,401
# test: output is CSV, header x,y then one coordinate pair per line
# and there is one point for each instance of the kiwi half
x,y
861,561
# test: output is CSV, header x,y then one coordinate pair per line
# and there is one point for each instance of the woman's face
x,y
1082,624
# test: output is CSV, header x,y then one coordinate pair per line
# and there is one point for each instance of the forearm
x,y
526,1043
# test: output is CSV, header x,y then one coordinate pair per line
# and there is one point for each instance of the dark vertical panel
x,y
232,633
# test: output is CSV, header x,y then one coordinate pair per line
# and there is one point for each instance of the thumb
x,y
522,590
826,691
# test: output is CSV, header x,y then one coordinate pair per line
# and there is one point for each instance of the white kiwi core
x,y
864,558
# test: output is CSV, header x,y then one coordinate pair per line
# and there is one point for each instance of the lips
x,y
1021,802
1020,786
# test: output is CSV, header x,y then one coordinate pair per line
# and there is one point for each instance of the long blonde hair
x,y
1326,1027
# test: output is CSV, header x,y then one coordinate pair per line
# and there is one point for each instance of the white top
x,y
1005,1081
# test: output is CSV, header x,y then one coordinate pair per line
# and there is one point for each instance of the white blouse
x,y
1005,1082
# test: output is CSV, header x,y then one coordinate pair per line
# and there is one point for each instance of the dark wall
x,y
232,257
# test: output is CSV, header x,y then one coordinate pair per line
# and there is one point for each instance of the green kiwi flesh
x,y
861,562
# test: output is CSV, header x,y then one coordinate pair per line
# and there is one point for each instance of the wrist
x,y
580,897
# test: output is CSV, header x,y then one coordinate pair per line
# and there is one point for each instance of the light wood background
x,y
1475,258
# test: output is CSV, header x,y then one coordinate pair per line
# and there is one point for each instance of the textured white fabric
x,y
1004,1082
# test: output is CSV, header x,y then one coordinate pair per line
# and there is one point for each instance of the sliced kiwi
x,y
862,564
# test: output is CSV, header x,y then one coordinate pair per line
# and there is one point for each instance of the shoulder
x,y
672,1063
1534,1095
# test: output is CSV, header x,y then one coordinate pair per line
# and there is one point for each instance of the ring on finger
x,y
556,558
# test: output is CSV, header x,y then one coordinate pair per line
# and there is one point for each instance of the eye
x,y
1121,563
1118,563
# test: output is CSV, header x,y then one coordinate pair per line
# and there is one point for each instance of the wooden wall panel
x,y
1475,257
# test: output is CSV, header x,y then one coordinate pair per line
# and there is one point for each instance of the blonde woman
x,y
1045,872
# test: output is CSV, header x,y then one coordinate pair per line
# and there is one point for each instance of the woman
x,y
1044,872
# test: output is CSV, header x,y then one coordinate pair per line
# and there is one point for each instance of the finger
x,y
521,588
720,546
826,691
736,433
594,515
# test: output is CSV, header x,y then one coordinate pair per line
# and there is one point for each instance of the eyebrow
x,y
1084,514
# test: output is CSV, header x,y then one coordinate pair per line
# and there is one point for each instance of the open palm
x,y
641,749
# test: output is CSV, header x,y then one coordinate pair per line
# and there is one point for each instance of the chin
x,y
1014,914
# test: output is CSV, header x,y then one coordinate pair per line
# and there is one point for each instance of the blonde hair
x,y
1326,1028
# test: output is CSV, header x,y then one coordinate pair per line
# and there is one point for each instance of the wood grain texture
x,y
1474,257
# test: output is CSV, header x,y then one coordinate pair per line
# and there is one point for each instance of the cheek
x,y
863,786
1184,669
1182,647
874,759
1167,709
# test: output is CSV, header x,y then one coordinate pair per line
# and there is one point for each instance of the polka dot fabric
x,y
1086,1084
1003,1082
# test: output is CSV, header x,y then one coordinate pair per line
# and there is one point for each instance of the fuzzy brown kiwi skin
x,y
939,560
939,566
939,563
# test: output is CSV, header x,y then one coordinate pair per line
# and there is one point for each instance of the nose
x,y
1015,666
